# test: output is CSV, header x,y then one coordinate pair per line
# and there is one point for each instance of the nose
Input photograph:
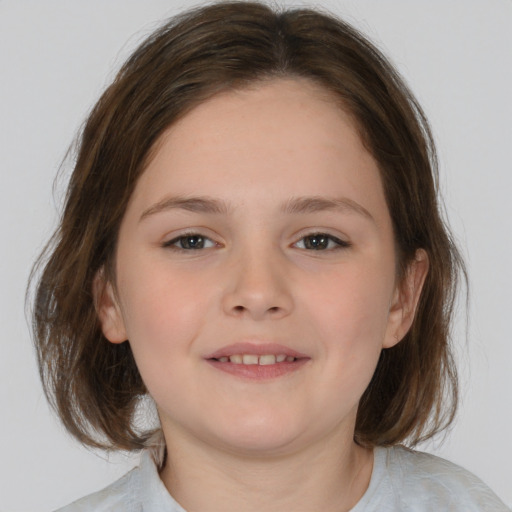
x,y
259,287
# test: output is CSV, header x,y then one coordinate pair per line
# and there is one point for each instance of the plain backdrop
x,y
56,57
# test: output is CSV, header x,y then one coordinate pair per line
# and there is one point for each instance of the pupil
x,y
193,242
317,242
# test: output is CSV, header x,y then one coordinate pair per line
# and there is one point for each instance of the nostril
x,y
241,309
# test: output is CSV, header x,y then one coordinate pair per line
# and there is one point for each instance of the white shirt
x,y
402,480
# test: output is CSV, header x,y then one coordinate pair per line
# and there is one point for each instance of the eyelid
x,y
340,242
171,242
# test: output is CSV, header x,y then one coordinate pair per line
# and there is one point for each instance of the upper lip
x,y
253,348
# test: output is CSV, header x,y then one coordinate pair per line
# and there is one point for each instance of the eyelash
x,y
339,244
172,244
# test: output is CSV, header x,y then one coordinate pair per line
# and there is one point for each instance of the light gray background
x,y
55,59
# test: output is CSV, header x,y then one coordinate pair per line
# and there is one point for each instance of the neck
x,y
331,475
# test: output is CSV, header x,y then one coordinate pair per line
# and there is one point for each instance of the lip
x,y
257,372
257,349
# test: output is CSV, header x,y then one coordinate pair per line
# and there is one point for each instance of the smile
x,y
257,361
266,359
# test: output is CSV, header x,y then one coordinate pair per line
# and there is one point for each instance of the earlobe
x,y
406,299
107,308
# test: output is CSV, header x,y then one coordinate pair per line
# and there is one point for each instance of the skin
x,y
275,444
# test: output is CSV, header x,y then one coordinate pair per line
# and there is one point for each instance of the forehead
x,y
288,136
282,107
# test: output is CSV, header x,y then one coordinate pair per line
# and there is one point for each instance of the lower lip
x,y
257,371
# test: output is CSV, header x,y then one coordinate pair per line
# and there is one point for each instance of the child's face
x,y
217,248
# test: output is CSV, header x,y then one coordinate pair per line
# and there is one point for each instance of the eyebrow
x,y
318,203
191,204
296,205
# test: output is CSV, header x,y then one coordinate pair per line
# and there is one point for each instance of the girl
x,y
251,237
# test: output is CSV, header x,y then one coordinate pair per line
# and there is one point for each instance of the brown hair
x,y
94,385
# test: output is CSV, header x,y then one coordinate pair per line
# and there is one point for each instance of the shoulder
x,y
425,482
139,490
116,497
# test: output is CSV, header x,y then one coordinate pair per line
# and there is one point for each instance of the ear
x,y
405,299
108,310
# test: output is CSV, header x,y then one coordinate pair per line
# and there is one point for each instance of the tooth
x,y
267,359
250,359
237,359
290,359
224,359
280,358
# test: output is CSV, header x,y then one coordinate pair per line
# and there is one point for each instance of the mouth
x,y
264,360
257,361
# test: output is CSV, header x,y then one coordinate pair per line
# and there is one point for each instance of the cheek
x,y
163,312
164,315
350,310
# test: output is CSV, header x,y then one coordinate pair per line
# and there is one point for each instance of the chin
x,y
266,445
258,435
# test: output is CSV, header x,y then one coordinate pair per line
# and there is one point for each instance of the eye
x,y
192,241
321,242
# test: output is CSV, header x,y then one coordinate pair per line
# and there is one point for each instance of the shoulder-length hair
x,y
94,385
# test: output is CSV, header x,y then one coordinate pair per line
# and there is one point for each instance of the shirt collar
x,y
153,495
